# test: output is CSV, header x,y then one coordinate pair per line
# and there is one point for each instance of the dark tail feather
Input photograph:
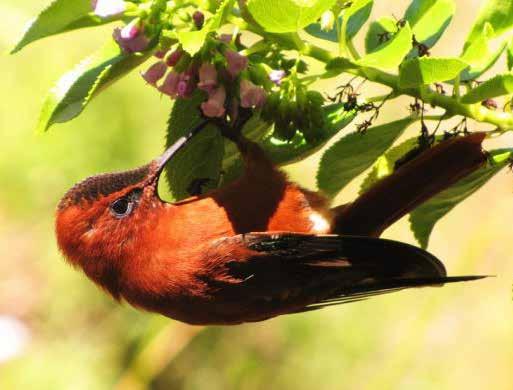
x,y
363,291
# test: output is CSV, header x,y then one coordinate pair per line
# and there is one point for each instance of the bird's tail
x,y
364,291
410,185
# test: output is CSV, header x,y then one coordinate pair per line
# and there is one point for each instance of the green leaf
x,y
192,41
384,165
391,53
480,55
498,13
377,31
353,19
287,15
510,55
315,30
354,153
356,16
202,157
428,70
58,17
424,217
497,86
282,153
75,89
429,19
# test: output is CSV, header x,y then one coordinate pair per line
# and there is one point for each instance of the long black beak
x,y
179,144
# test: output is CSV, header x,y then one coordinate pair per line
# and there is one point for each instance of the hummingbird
x,y
256,248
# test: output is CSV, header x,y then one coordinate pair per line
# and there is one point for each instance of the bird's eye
x,y
121,207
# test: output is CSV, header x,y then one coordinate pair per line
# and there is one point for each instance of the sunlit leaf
x,y
498,13
510,55
497,86
429,19
58,17
356,16
75,89
384,165
424,217
201,159
480,55
287,15
379,32
192,41
391,53
428,70
354,153
315,30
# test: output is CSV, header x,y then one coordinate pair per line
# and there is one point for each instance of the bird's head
x,y
99,220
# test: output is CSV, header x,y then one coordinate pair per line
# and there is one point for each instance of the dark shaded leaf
x,y
201,158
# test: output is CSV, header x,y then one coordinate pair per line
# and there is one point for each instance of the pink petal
x,y
155,72
207,77
214,106
170,84
251,95
236,62
106,8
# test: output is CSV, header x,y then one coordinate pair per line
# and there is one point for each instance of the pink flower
x,y
155,72
160,54
106,8
207,77
186,83
131,38
131,30
276,75
236,62
226,38
251,95
170,84
214,106
173,57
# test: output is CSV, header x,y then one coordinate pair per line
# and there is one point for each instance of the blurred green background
x,y
58,331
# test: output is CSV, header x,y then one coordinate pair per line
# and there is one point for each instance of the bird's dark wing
x,y
313,271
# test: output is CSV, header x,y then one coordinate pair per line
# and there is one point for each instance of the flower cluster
x,y
130,38
182,75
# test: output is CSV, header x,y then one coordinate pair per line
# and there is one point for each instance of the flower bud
x,y
131,38
214,106
327,21
160,54
155,72
186,83
107,8
276,76
170,85
131,30
236,62
251,95
207,77
173,57
198,19
226,38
